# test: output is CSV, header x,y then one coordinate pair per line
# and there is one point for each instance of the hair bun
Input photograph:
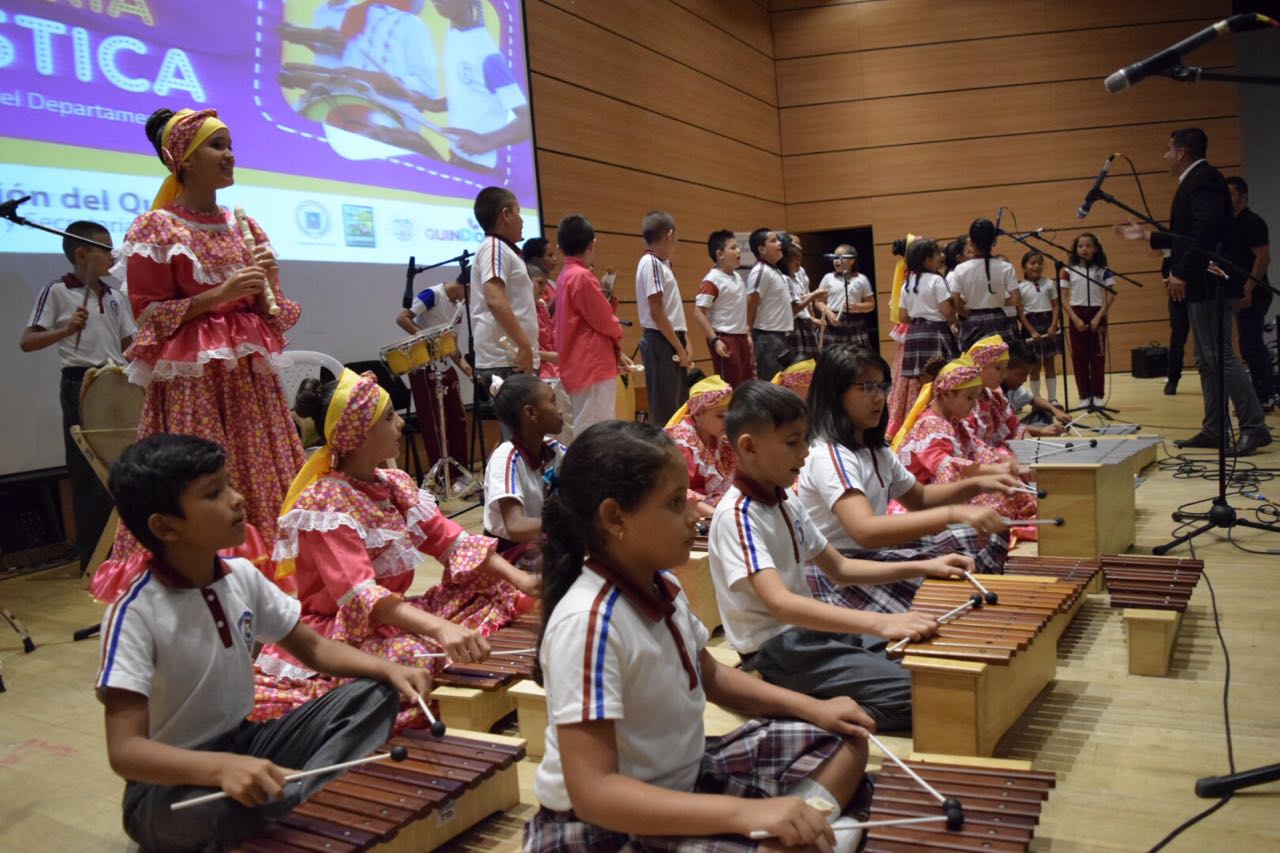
x,y
155,128
307,401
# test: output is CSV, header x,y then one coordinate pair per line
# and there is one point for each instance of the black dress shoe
x,y
1196,441
1250,443
1171,387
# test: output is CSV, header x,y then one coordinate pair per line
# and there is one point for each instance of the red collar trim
x,y
756,491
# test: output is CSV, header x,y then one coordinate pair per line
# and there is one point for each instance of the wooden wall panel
x,y
1033,108
846,27
677,33
747,22
983,63
572,48
687,153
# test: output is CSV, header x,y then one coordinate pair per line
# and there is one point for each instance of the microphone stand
x,y
1021,238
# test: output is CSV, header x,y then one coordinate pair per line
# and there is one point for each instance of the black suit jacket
x,y
1202,211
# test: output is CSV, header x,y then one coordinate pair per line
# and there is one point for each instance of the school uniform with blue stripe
x,y
604,659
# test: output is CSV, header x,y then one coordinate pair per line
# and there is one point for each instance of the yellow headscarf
x,y
183,135
798,377
954,375
899,278
706,394
989,350
357,403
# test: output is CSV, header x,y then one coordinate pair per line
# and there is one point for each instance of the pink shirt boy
x,y
587,332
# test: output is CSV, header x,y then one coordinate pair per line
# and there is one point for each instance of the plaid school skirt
x,y
762,758
803,339
1044,348
926,339
982,322
852,330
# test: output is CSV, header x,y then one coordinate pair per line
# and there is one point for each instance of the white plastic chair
x,y
306,363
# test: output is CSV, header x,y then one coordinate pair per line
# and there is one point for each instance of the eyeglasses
x,y
873,387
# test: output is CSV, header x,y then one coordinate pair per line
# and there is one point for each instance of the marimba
x,y
1153,592
476,695
1087,570
1089,483
1002,802
976,676
445,787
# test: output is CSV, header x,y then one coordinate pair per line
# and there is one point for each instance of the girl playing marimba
x,y
992,420
936,445
627,676
851,475
698,432
354,532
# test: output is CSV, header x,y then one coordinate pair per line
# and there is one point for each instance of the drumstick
x,y
1069,447
974,602
83,303
437,727
397,753
491,654
987,595
268,295
952,811
1040,493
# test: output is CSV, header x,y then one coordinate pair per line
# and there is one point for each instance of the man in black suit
x,y
1202,212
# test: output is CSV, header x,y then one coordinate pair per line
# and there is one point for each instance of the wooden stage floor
x,y
1127,749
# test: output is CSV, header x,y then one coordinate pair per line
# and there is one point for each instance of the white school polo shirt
x,y
1084,292
655,276
190,651
1037,298
723,296
774,313
926,293
969,280
859,291
498,259
832,470
432,308
508,475
749,536
604,659
110,321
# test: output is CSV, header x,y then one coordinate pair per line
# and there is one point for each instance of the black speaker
x,y
1149,362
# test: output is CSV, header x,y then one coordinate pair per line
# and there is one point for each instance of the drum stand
x,y
442,469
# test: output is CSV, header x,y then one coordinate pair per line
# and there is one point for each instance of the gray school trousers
x,y
826,665
347,722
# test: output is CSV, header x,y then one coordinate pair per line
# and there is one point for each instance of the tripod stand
x,y
442,471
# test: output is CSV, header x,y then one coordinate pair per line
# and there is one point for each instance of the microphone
x,y
1162,61
9,209
625,322
408,283
999,216
832,257
1092,195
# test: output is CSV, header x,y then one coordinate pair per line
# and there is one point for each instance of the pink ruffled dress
x,y
993,421
942,450
214,376
355,543
710,469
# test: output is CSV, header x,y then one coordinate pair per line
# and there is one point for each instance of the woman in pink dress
x,y
352,533
698,432
208,345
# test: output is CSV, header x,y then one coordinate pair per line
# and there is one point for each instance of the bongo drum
x,y
407,354
442,342
110,408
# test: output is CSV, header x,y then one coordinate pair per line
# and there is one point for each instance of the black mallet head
x,y
991,598
399,753
1042,494
437,729
1093,442
1059,521
955,814
977,601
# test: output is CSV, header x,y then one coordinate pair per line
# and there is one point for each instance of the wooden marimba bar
x,y
1082,569
445,787
976,676
1001,807
1153,593
1089,483
474,696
